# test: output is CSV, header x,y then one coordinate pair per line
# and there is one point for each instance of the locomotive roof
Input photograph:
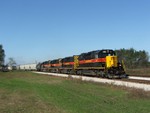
x,y
102,50
97,51
68,57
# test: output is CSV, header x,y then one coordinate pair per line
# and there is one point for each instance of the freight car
x,y
102,63
27,67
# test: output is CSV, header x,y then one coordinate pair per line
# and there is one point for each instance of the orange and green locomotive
x,y
103,63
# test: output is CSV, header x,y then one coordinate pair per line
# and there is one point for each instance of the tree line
x,y
133,58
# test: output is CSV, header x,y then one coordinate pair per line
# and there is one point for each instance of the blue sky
x,y
38,30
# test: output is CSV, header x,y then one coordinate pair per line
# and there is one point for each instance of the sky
x,y
39,30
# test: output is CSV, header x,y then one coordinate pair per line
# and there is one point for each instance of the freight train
x,y
103,63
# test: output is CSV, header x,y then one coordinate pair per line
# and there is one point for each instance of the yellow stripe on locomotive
x,y
76,62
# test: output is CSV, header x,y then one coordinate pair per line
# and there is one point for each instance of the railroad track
x,y
132,83
139,78
144,80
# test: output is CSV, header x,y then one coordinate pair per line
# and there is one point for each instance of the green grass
x,y
26,92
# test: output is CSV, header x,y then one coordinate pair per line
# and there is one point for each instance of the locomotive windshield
x,y
105,53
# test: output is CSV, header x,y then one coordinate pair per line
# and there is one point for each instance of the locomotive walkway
x,y
145,87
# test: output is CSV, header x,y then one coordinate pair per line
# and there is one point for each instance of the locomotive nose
x,y
111,61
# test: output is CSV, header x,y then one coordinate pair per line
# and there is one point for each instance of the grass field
x,y
26,92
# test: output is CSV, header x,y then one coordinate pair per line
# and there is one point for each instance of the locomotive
x,y
103,63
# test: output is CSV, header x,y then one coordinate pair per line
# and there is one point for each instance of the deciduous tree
x,y
2,55
133,58
11,62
